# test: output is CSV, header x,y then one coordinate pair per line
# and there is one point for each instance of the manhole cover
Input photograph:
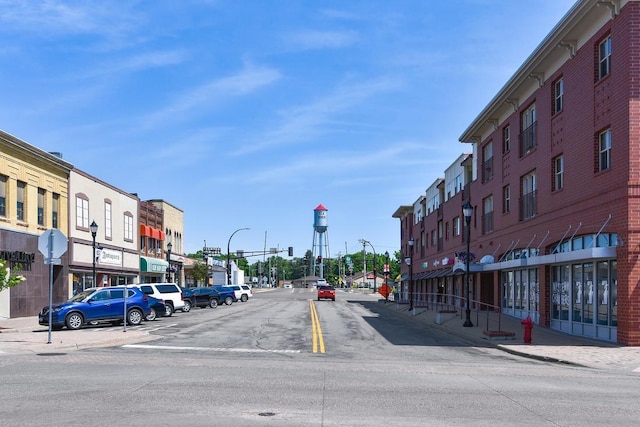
x,y
267,414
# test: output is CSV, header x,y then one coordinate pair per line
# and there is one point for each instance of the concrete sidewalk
x,y
546,344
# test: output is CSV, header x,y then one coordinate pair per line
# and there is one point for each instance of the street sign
x,y
58,240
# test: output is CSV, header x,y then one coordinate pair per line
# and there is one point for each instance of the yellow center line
x,y
316,329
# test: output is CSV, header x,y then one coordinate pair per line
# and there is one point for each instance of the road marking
x,y
217,349
316,329
636,370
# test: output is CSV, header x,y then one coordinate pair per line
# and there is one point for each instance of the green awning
x,y
153,265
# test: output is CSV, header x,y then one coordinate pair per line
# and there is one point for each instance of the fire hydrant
x,y
527,324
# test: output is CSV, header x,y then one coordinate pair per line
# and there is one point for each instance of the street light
x,y
169,247
229,255
375,269
411,243
467,210
386,275
94,231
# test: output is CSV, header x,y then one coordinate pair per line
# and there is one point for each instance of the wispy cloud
x,y
308,40
142,61
212,93
299,124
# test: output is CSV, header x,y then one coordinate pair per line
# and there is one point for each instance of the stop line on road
x,y
212,349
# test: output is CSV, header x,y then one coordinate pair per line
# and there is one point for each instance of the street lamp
x,y
467,210
169,247
386,275
94,230
375,269
229,255
411,243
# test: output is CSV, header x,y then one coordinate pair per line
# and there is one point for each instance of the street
x,y
254,363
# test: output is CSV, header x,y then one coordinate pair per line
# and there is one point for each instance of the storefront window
x,y
565,290
589,292
602,280
578,293
533,290
613,296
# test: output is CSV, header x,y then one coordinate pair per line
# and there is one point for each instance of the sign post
x,y
52,244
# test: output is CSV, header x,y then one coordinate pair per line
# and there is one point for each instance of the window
x,y
55,208
3,196
604,58
433,238
506,139
487,215
447,230
506,199
558,93
528,201
107,220
487,162
20,200
82,211
128,227
457,229
558,173
41,199
528,135
604,150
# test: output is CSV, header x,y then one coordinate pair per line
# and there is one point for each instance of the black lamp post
x,y
411,243
467,210
229,255
386,275
94,230
169,247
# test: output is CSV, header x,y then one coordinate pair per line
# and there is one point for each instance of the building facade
x,y
153,263
174,231
33,199
554,183
112,257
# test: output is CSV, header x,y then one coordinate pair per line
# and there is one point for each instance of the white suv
x,y
170,293
243,292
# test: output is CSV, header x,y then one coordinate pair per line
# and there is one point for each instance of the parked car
x,y
204,297
157,308
288,286
326,292
97,305
242,292
186,298
227,295
170,293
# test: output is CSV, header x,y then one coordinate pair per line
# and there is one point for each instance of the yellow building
x,y
33,199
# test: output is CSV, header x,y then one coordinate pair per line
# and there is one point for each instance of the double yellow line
x,y
316,329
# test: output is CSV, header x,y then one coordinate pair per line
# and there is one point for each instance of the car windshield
x,y
81,295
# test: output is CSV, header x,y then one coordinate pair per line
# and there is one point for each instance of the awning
x,y
153,265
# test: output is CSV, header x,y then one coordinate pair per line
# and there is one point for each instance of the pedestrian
x,y
395,293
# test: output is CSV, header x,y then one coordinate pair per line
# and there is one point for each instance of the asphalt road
x,y
271,361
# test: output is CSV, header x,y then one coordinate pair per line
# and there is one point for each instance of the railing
x,y
487,315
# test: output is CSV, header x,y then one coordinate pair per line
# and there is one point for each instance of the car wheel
x,y
213,303
168,310
151,316
318,298
187,306
244,298
228,300
134,317
333,299
74,321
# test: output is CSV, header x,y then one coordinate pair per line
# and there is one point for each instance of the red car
x,y
326,292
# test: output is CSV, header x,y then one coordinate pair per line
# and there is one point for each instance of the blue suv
x,y
97,304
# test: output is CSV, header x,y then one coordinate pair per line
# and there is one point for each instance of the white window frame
x,y
82,212
558,173
128,227
108,224
604,58
604,150
558,95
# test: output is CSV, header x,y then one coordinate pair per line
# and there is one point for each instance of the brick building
x,y
554,182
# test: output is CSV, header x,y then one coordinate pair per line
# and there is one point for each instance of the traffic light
x,y
290,250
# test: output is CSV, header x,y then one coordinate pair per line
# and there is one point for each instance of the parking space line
x,y
214,349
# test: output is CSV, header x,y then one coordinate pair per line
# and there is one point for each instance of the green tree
x,y
200,271
7,280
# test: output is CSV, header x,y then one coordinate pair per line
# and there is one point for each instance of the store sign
x,y
110,257
18,260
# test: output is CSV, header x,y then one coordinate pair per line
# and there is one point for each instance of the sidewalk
x,y
546,344
23,335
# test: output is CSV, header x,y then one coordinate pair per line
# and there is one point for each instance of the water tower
x,y
320,240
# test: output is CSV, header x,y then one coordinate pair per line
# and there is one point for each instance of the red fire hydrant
x,y
527,324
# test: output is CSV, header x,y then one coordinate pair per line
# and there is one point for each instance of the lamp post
x,y
169,247
229,255
375,269
94,230
411,243
386,275
467,210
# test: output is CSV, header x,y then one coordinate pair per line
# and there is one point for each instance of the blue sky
x,y
252,113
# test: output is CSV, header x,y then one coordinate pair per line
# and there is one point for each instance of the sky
x,y
250,114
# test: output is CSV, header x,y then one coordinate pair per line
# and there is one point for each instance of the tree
x,y
7,280
200,271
